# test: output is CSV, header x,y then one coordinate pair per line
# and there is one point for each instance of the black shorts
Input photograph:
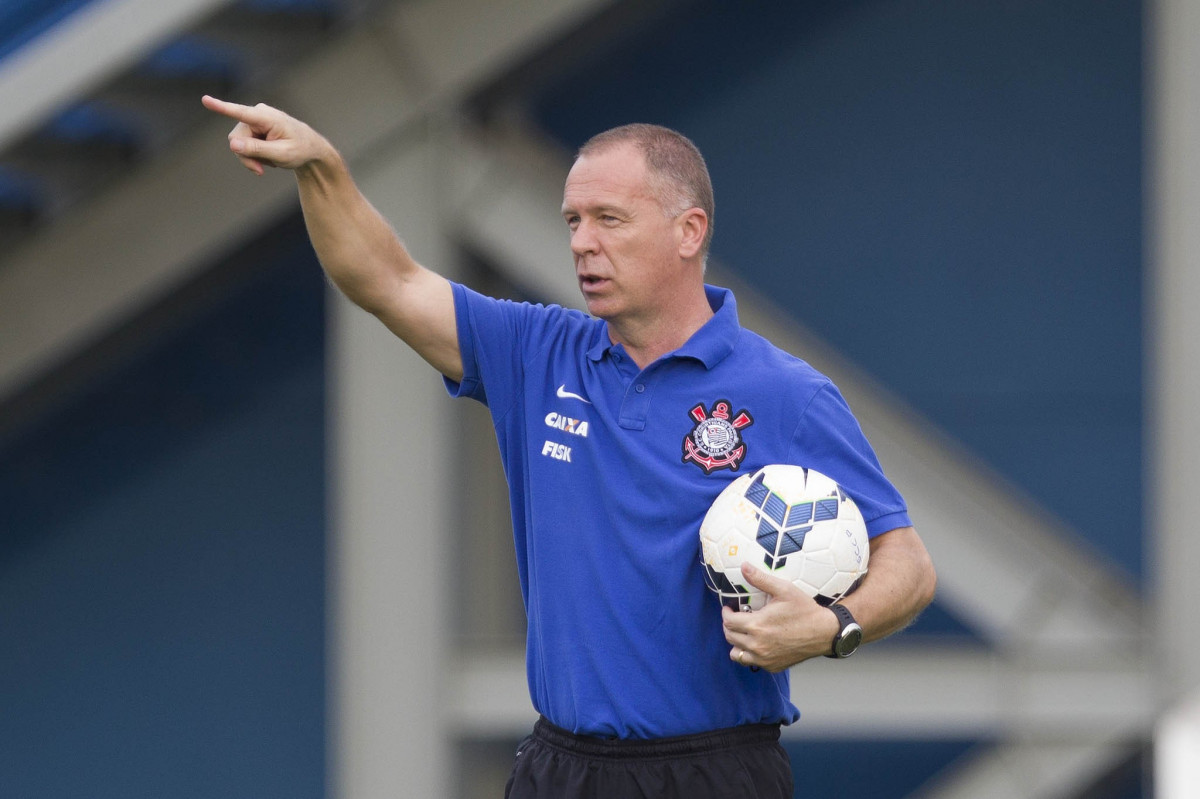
x,y
745,762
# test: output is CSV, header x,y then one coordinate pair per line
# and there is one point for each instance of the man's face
x,y
625,247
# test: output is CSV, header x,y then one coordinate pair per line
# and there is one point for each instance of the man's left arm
x,y
792,627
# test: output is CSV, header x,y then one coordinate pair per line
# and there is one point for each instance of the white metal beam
x,y
1173,345
1173,290
892,691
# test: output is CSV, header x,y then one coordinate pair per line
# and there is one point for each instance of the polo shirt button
x,y
639,388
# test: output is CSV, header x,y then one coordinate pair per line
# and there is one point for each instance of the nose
x,y
583,238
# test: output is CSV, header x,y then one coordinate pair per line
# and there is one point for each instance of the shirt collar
x,y
710,345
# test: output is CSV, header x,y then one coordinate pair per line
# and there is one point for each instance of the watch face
x,y
849,640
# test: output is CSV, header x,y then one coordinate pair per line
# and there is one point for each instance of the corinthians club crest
x,y
715,442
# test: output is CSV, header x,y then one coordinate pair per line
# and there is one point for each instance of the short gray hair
x,y
678,174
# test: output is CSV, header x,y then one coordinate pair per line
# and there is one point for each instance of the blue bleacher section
x,y
21,22
162,553
60,161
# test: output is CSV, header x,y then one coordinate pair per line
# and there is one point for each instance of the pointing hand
x,y
265,136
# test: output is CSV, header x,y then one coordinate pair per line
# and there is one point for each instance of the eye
x,y
572,220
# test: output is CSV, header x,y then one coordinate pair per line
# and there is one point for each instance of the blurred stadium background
x,y
247,546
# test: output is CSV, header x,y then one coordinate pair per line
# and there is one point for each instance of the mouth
x,y
591,283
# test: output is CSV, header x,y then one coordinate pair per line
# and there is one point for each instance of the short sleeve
x,y
497,339
471,385
830,440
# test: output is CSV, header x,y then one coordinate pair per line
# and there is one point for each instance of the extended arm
x,y
792,627
356,246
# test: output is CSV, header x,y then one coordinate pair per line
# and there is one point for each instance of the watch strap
x,y
846,621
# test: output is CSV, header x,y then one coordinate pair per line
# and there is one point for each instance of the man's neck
x,y
647,342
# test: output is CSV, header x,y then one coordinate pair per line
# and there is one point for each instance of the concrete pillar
x,y
1173,298
390,570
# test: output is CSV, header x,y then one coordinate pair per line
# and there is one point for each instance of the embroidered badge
x,y
715,442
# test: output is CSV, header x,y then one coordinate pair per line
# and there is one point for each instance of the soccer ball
x,y
795,523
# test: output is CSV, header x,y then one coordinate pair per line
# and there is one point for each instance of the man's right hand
x,y
265,136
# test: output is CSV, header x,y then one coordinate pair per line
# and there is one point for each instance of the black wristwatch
x,y
848,637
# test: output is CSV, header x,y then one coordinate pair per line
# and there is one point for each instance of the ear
x,y
691,226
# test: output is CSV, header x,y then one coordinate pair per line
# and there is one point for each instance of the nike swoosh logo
x,y
564,394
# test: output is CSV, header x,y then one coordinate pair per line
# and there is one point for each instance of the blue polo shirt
x,y
611,469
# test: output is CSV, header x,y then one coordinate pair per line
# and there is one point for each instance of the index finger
x,y
242,113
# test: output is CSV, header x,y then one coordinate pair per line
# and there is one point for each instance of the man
x,y
644,689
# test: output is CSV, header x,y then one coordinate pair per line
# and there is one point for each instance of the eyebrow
x,y
597,209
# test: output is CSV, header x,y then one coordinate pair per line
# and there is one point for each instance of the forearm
x,y
792,627
899,584
358,249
